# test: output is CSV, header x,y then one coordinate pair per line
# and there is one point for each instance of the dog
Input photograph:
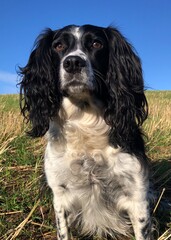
x,y
83,88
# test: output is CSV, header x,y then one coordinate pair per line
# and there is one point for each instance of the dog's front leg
x,y
61,221
140,218
138,208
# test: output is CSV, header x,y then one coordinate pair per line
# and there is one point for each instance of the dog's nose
x,y
74,64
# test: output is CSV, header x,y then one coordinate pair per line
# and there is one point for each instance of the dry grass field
x,y
25,201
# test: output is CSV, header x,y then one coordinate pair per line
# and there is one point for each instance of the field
x,y
26,202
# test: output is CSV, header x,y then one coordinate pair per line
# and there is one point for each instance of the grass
x,y
26,210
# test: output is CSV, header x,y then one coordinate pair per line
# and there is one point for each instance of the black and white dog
x,y
83,86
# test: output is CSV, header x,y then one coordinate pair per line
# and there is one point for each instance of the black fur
x,y
127,106
40,86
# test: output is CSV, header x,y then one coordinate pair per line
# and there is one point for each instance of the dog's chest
x,y
80,155
79,162
86,134
87,155
84,131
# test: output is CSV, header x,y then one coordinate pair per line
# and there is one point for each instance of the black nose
x,y
74,64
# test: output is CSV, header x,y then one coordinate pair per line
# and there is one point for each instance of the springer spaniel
x,y
83,86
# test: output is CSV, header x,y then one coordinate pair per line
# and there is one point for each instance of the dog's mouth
x,y
76,89
77,86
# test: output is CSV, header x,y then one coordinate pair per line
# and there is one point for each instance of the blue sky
x,y
145,23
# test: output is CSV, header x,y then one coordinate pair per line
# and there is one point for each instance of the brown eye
x,y
97,45
60,47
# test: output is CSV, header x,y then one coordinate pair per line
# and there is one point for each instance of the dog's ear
x,y
127,106
39,87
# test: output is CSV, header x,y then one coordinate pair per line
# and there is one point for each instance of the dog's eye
x,y
97,44
60,47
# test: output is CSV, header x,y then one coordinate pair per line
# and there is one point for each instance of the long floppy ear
x,y
39,86
127,106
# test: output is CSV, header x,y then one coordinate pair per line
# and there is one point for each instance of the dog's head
x,y
80,63
82,54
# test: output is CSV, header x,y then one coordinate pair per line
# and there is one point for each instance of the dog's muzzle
x,y
76,75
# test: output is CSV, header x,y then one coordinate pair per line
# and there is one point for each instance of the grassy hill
x,y
26,203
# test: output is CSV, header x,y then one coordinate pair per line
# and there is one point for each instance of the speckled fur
x,y
102,188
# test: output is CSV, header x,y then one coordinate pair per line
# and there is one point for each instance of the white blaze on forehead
x,y
77,33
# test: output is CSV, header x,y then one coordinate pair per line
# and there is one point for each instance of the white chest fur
x,y
78,132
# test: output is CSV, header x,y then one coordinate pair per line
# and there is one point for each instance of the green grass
x,y
26,210
9,102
